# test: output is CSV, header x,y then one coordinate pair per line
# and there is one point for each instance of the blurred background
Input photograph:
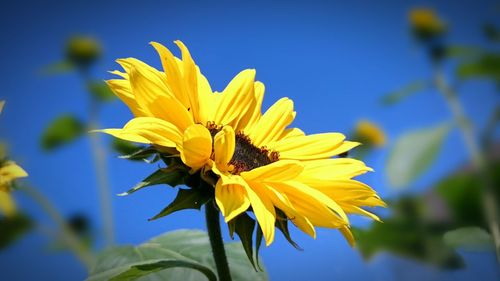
x,y
416,81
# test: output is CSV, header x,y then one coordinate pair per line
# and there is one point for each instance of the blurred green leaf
x,y
406,91
469,238
58,68
409,239
12,228
463,52
491,32
244,226
486,66
101,91
173,175
186,199
413,153
61,131
190,246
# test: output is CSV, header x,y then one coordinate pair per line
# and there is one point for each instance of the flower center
x,y
247,156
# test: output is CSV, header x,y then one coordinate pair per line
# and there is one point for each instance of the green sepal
x,y
186,199
258,242
133,152
244,226
282,225
173,175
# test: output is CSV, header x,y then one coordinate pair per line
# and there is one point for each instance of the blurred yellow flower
x,y
370,133
9,171
258,161
425,22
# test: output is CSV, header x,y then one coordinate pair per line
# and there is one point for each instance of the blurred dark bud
x,y
426,24
369,134
79,224
491,32
83,51
12,228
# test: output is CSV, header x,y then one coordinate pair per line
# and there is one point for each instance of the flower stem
x,y
101,167
490,206
214,233
71,240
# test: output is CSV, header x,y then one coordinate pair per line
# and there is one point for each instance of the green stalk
x,y
71,240
490,206
214,233
100,165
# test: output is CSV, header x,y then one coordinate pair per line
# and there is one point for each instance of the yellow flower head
x,y
9,172
257,160
370,133
425,23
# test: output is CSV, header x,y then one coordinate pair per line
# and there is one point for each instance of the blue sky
x,y
334,59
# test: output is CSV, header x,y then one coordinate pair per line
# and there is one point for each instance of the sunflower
x,y
370,133
258,161
9,171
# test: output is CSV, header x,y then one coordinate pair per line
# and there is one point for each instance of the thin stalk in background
x,y
69,237
101,167
478,157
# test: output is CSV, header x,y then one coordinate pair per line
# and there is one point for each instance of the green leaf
x,y
58,68
413,153
61,131
244,226
131,151
101,91
141,270
408,90
282,225
173,175
190,246
469,238
463,52
486,66
186,199
12,228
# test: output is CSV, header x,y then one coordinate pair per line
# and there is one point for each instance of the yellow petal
x,y
171,110
311,195
264,213
236,98
121,88
228,178
224,144
7,204
253,114
196,146
309,147
148,130
189,77
173,73
291,133
272,124
11,171
206,100
332,169
231,199
282,202
275,172
348,235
